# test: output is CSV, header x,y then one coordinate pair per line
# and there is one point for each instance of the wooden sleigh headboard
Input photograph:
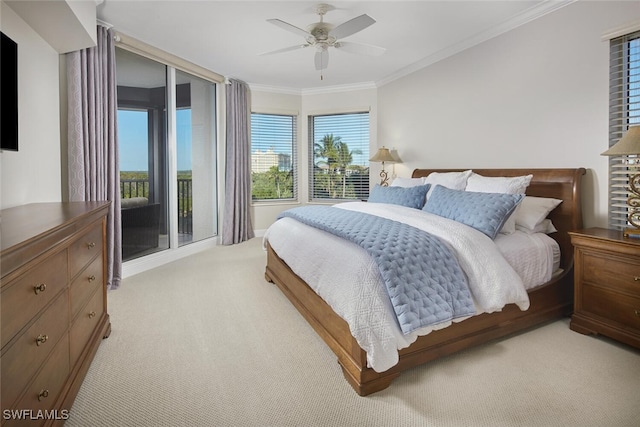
x,y
564,184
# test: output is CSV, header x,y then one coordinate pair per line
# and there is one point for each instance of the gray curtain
x,y
93,144
236,225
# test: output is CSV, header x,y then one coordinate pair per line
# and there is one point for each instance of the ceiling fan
x,y
323,35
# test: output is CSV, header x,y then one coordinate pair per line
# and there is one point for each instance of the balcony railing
x,y
130,188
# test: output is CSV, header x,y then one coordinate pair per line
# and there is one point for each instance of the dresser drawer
x,y
622,309
614,273
85,324
85,285
21,360
24,297
85,249
42,392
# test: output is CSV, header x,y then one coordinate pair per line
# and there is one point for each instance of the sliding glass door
x,y
196,161
168,179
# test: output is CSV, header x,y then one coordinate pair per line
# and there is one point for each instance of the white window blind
x,y
273,159
339,156
624,110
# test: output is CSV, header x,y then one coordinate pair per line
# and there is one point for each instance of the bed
x,y
548,301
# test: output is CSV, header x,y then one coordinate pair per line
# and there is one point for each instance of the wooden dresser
x,y
607,285
53,306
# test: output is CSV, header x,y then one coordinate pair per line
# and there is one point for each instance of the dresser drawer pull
x,y
41,339
91,245
42,395
91,278
92,315
39,288
636,278
637,313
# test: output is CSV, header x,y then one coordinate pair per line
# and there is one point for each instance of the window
x,y
339,156
273,160
624,110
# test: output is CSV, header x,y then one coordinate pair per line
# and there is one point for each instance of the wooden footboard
x,y
548,302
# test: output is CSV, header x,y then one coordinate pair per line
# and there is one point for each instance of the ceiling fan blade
x,y
360,49
322,59
289,27
286,49
352,26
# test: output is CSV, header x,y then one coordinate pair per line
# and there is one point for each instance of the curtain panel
x,y
236,224
92,138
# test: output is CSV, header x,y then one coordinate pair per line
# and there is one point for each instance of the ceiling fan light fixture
x,y
324,35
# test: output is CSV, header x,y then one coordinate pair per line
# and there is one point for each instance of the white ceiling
x,y
228,37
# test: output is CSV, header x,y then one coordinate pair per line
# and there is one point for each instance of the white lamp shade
x,y
628,145
382,155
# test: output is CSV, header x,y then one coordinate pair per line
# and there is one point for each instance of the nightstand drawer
x,y
610,305
610,272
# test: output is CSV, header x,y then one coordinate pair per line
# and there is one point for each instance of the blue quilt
x,y
423,278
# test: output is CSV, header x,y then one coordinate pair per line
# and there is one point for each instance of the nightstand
x,y
607,285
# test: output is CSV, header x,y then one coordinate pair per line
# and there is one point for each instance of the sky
x,y
133,140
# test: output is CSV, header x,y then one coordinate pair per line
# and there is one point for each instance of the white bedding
x,y
535,257
338,264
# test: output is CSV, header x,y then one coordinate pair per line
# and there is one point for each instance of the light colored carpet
x,y
206,341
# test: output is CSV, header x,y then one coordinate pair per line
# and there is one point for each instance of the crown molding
x,y
313,91
274,89
622,30
339,88
531,14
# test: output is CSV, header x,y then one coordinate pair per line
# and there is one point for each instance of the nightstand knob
x,y
637,313
636,278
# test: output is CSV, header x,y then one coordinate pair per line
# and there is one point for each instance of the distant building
x,y
262,161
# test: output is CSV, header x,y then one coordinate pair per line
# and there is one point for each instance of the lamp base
x,y
632,233
384,178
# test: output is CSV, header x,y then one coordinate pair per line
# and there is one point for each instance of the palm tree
x,y
273,175
326,149
344,158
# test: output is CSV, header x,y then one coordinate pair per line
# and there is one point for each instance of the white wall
x,y
536,96
33,173
348,100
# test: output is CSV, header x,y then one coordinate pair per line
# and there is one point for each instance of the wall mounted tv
x,y
8,94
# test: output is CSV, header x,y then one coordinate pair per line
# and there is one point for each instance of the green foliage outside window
x,y
273,184
334,175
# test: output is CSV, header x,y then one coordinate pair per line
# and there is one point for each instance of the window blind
x,y
339,156
273,157
624,110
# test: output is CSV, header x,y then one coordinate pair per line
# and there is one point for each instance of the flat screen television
x,y
8,94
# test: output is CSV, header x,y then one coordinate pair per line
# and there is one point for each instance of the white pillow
x,y
407,182
500,184
533,210
451,180
546,226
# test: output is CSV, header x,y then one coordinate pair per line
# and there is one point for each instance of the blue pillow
x,y
411,197
486,212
